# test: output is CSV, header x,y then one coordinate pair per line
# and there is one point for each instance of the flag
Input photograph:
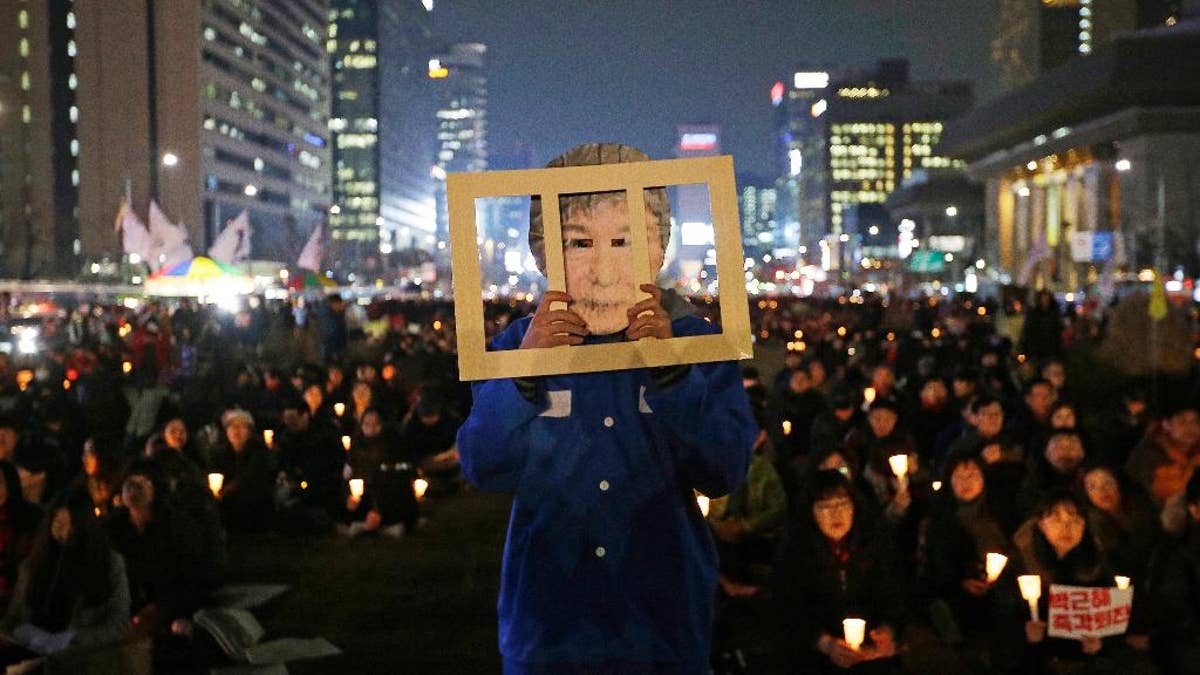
x,y
135,239
170,240
310,257
233,244
1039,252
1158,299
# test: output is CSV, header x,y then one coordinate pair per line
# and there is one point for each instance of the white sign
x,y
1084,611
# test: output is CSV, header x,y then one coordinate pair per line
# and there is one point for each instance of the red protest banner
x,y
1079,611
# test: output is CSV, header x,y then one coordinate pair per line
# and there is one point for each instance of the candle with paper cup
x,y
994,564
703,502
339,409
869,395
1031,590
420,485
356,488
215,482
787,427
1122,582
937,485
854,631
899,464
346,443
269,437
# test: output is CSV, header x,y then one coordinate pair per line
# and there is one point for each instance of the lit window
x,y
23,20
23,48
26,113
71,20
74,147
25,80
209,33
74,114
72,81
71,48
75,177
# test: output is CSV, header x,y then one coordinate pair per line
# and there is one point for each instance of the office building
x,y
460,89
849,137
381,129
1033,36
209,106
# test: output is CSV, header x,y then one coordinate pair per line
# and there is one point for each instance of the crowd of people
x,y
333,417
892,464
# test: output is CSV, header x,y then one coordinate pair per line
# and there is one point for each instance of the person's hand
x,y
554,327
884,643
903,498
976,587
1091,645
182,627
728,530
1035,631
648,318
352,503
372,521
843,656
1138,642
992,453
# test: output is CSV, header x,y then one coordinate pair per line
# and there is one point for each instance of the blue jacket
x,y
608,559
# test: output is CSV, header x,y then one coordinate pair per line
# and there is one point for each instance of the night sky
x,y
563,72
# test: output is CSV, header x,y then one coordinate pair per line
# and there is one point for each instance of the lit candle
x,y
269,437
1122,582
346,443
855,631
937,485
702,501
215,482
787,427
126,367
869,395
1031,590
899,464
356,488
995,565
420,485
339,408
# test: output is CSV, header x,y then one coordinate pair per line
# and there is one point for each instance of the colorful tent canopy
x,y
200,268
302,280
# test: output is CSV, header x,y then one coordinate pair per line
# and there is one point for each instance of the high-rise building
x,y
208,106
381,129
689,256
461,93
39,139
1033,36
849,137
757,202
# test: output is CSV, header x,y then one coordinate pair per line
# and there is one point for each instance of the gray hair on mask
x,y
592,154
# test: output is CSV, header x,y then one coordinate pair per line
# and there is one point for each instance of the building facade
x,y
460,90
208,106
381,130
849,137
1090,166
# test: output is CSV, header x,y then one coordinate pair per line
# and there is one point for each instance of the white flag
x,y
134,236
310,257
170,240
233,244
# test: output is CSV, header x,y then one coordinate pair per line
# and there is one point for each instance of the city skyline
x,y
639,95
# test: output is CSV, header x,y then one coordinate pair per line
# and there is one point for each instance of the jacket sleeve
x,y
764,484
494,440
708,415
108,623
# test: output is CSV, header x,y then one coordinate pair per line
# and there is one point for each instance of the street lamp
x,y
951,211
1123,165
170,159
335,209
250,190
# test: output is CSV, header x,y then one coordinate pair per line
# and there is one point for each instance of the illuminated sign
x,y
795,161
777,93
692,142
811,80
948,243
819,107
863,92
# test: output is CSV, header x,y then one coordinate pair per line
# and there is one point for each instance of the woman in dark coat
x,y
247,495
19,522
836,565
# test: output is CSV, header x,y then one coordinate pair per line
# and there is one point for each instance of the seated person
x,y
19,521
311,463
429,436
1176,598
374,457
72,590
246,495
836,564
